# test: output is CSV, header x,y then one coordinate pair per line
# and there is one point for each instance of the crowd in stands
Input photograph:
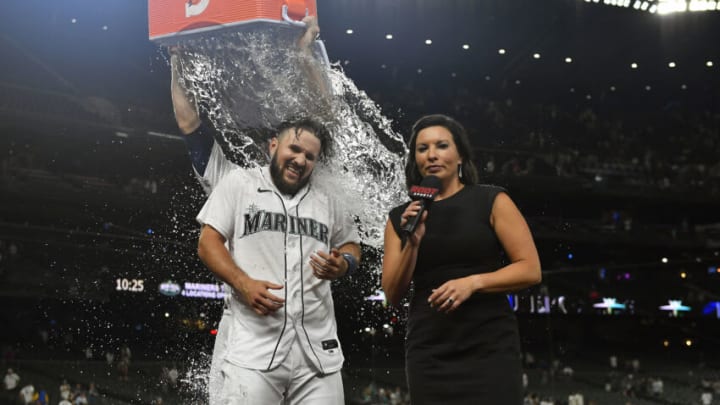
x,y
670,147
585,381
73,381
381,394
26,391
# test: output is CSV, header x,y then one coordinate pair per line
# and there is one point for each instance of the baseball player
x,y
211,166
287,240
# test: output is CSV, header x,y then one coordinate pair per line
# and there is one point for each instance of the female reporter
x,y
462,344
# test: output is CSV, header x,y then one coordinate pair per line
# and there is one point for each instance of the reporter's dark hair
x,y
462,143
311,125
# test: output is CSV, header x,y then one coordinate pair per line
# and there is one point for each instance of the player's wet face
x,y
294,155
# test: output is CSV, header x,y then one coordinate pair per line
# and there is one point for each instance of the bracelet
x,y
351,261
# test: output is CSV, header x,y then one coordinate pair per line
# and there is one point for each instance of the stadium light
x,y
671,6
663,7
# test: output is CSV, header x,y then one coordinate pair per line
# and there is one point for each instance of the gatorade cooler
x,y
170,20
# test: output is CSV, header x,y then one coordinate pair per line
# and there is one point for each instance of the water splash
x,y
247,80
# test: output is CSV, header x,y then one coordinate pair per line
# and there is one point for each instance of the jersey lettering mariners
x,y
259,220
271,237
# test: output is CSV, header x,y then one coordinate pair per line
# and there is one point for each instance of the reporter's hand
x,y
256,294
411,211
449,296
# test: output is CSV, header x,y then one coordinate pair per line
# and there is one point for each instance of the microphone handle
x,y
412,222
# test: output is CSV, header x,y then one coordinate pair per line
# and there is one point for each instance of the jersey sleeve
x,y
208,160
344,229
219,209
218,166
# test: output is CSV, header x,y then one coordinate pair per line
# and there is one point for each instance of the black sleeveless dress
x,y
471,356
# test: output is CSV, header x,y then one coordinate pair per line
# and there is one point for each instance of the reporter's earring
x,y
460,170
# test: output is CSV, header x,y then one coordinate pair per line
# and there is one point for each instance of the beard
x,y
276,172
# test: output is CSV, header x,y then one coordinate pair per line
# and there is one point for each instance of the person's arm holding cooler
x,y
184,105
318,82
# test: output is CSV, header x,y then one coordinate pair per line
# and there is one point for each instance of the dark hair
x,y
311,125
462,143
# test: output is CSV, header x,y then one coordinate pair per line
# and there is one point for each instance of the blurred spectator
x,y
657,387
42,397
65,390
93,394
125,353
88,353
27,394
576,399
613,362
109,358
81,398
706,398
123,367
173,376
11,380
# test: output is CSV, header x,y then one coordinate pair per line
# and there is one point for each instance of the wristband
x,y
351,261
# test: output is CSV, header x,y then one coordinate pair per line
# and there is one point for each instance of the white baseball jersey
x,y
217,167
271,237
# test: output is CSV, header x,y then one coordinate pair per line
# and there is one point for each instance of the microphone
x,y
425,193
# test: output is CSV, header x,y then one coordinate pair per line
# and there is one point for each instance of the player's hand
x,y
256,294
411,211
328,266
449,296
312,31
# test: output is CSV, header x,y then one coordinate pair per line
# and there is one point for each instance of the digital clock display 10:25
x,y
129,284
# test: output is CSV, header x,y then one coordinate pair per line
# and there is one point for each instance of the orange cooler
x,y
169,20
